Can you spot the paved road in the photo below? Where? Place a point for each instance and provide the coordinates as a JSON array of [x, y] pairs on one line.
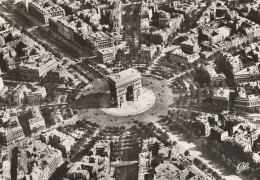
[[155, 62], [162, 54], [182, 146], [177, 76]]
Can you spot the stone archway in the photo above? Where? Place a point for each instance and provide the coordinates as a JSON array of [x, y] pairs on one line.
[[130, 93]]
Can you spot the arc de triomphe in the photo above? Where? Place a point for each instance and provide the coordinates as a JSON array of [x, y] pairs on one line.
[[125, 86]]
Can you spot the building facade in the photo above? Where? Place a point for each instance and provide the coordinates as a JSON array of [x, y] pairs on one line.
[[31, 70], [37, 122], [106, 56], [59, 140], [98, 40], [30, 166], [10, 129], [179, 56], [147, 54], [45, 10]]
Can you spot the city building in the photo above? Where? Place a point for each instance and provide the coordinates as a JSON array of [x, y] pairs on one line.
[[145, 24], [204, 18], [117, 36], [91, 16], [79, 170], [95, 165], [27, 60], [2, 21], [214, 76], [169, 170], [235, 62], [159, 37], [145, 157], [148, 53], [73, 6], [203, 123], [166, 24], [5, 164], [144, 163], [177, 55], [10, 129], [98, 40], [106, 56], [36, 96], [161, 18], [247, 102], [183, 7], [206, 54], [247, 74], [5, 28], [22, 94], [37, 122], [35, 67], [8, 55], [19, 94], [220, 46], [175, 22], [71, 27], [3, 88], [116, 16], [235, 145], [124, 169], [220, 34], [221, 98], [37, 160], [237, 39], [190, 46], [146, 12], [44, 10], [124, 56], [59, 140]]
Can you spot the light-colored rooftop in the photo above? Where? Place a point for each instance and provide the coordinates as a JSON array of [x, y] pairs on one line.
[[166, 170], [77, 24], [2, 21], [93, 37], [221, 92], [128, 75], [252, 70], [107, 50]]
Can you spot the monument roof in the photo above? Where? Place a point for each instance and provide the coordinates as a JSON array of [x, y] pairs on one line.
[[125, 76]]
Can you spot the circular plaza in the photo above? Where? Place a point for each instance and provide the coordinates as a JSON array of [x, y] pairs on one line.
[[94, 104]]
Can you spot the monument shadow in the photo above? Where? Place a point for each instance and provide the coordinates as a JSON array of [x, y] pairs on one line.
[[92, 101]]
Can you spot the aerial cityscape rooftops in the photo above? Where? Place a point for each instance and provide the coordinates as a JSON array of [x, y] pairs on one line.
[[76, 24], [46, 6], [183, 80]]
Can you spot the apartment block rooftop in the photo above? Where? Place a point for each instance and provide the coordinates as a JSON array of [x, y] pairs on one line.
[[98, 36], [76, 24], [47, 6]]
